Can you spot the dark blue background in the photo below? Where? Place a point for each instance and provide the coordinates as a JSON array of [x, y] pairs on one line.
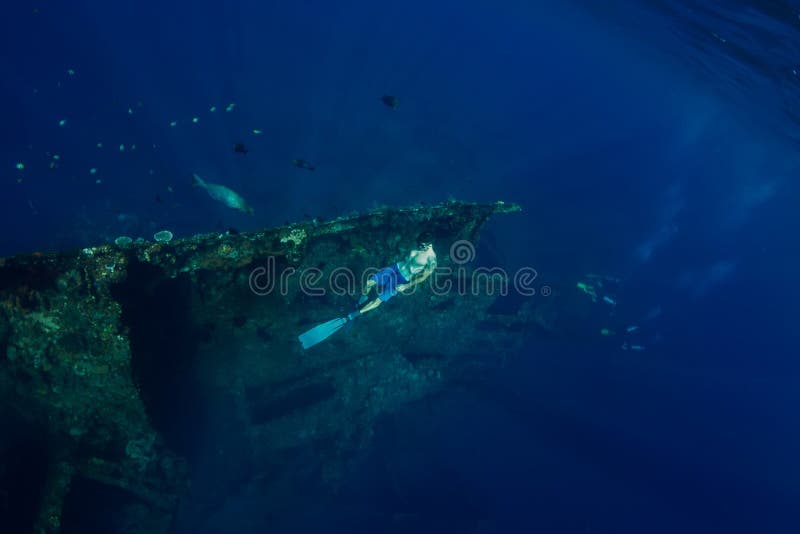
[[627, 157]]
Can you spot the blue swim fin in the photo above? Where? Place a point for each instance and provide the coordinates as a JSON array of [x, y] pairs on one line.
[[323, 331]]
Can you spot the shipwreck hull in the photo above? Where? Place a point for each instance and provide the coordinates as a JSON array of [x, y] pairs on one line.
[[129, 371]]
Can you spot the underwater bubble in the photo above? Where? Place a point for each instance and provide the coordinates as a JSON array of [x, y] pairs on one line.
[[163, 236], [123, 241]]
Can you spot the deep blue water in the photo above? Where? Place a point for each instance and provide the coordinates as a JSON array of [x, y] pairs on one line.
[[653, 141]]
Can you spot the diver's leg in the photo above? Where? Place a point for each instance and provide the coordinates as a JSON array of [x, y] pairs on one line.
[[368, 286], [374, 303], [365, 291]]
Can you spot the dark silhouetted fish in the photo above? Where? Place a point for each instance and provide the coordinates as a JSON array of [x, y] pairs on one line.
[[391, 101], [240, 148], [303, 164]]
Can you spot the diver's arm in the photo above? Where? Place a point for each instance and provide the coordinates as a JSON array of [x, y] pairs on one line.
[[416, 280], [421, 277]]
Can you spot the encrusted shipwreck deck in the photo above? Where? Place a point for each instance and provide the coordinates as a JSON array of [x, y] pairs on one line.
[[126, 370]]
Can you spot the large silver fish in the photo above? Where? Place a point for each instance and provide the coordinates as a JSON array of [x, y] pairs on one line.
[[227, 196]]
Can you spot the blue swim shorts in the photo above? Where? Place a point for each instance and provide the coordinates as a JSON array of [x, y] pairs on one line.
[[387, 280]]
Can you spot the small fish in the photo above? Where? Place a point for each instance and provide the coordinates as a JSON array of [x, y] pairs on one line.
[[240, 148], [303, 164], [609, 300], [390, 101], [626, 346], [632, 329], [223, 194], [589, 290]]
